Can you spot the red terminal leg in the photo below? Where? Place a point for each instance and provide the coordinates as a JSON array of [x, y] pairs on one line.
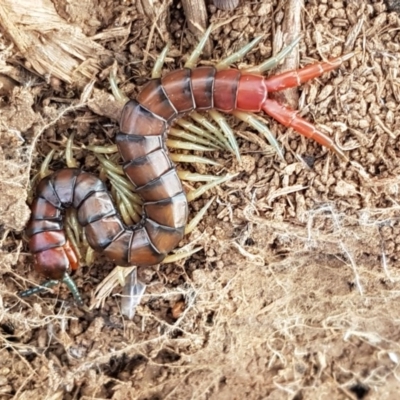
[[295, 78], [290, 119]]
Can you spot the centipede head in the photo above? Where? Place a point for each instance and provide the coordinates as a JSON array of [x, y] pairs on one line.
[[56, 264]]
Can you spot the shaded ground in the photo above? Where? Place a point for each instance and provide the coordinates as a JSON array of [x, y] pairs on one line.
[[296, 292]]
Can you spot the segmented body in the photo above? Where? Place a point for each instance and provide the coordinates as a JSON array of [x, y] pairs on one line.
[[143, 128]]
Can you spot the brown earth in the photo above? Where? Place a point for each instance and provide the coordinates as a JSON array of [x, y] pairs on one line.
[[294, 295]]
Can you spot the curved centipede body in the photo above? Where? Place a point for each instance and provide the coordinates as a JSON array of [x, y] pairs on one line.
[[141, 142]]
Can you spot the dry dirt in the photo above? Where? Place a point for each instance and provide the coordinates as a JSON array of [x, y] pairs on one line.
[[295, 293]]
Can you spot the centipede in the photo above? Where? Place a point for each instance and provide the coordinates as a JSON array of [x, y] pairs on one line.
[[143, 128]]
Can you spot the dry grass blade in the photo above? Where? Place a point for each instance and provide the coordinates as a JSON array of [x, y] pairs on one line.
[[196, 15], [291, 29], [158, 14], [284, 192], [49, 44]]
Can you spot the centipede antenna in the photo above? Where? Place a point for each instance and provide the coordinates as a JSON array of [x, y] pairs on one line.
[[260, 127], [221, 121], [69, 282], [273, 61], [116, 91], [180, 255], [190, 137], [156, 72], [188, 158], [194, 177], [238, 55], [195, 193], [185, 145], [194, 57], [39, 289], [198, 217], [212, 133]]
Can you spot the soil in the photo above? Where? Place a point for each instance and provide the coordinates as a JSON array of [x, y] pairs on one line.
[[295, 292]]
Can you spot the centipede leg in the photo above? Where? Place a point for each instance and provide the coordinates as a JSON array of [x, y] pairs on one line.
[[194, 57], [195, 193], [238, 55], [184, 145], [194, 177], [156, 72], [116, 91], [295, 78], [44, 167], [256, 123], [273, 61], [291, 119], [221, 121], [189, 158], [180, 254], [198, 217], [216, 134]]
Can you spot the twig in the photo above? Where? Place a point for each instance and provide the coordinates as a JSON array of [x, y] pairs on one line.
[[196, 15]]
